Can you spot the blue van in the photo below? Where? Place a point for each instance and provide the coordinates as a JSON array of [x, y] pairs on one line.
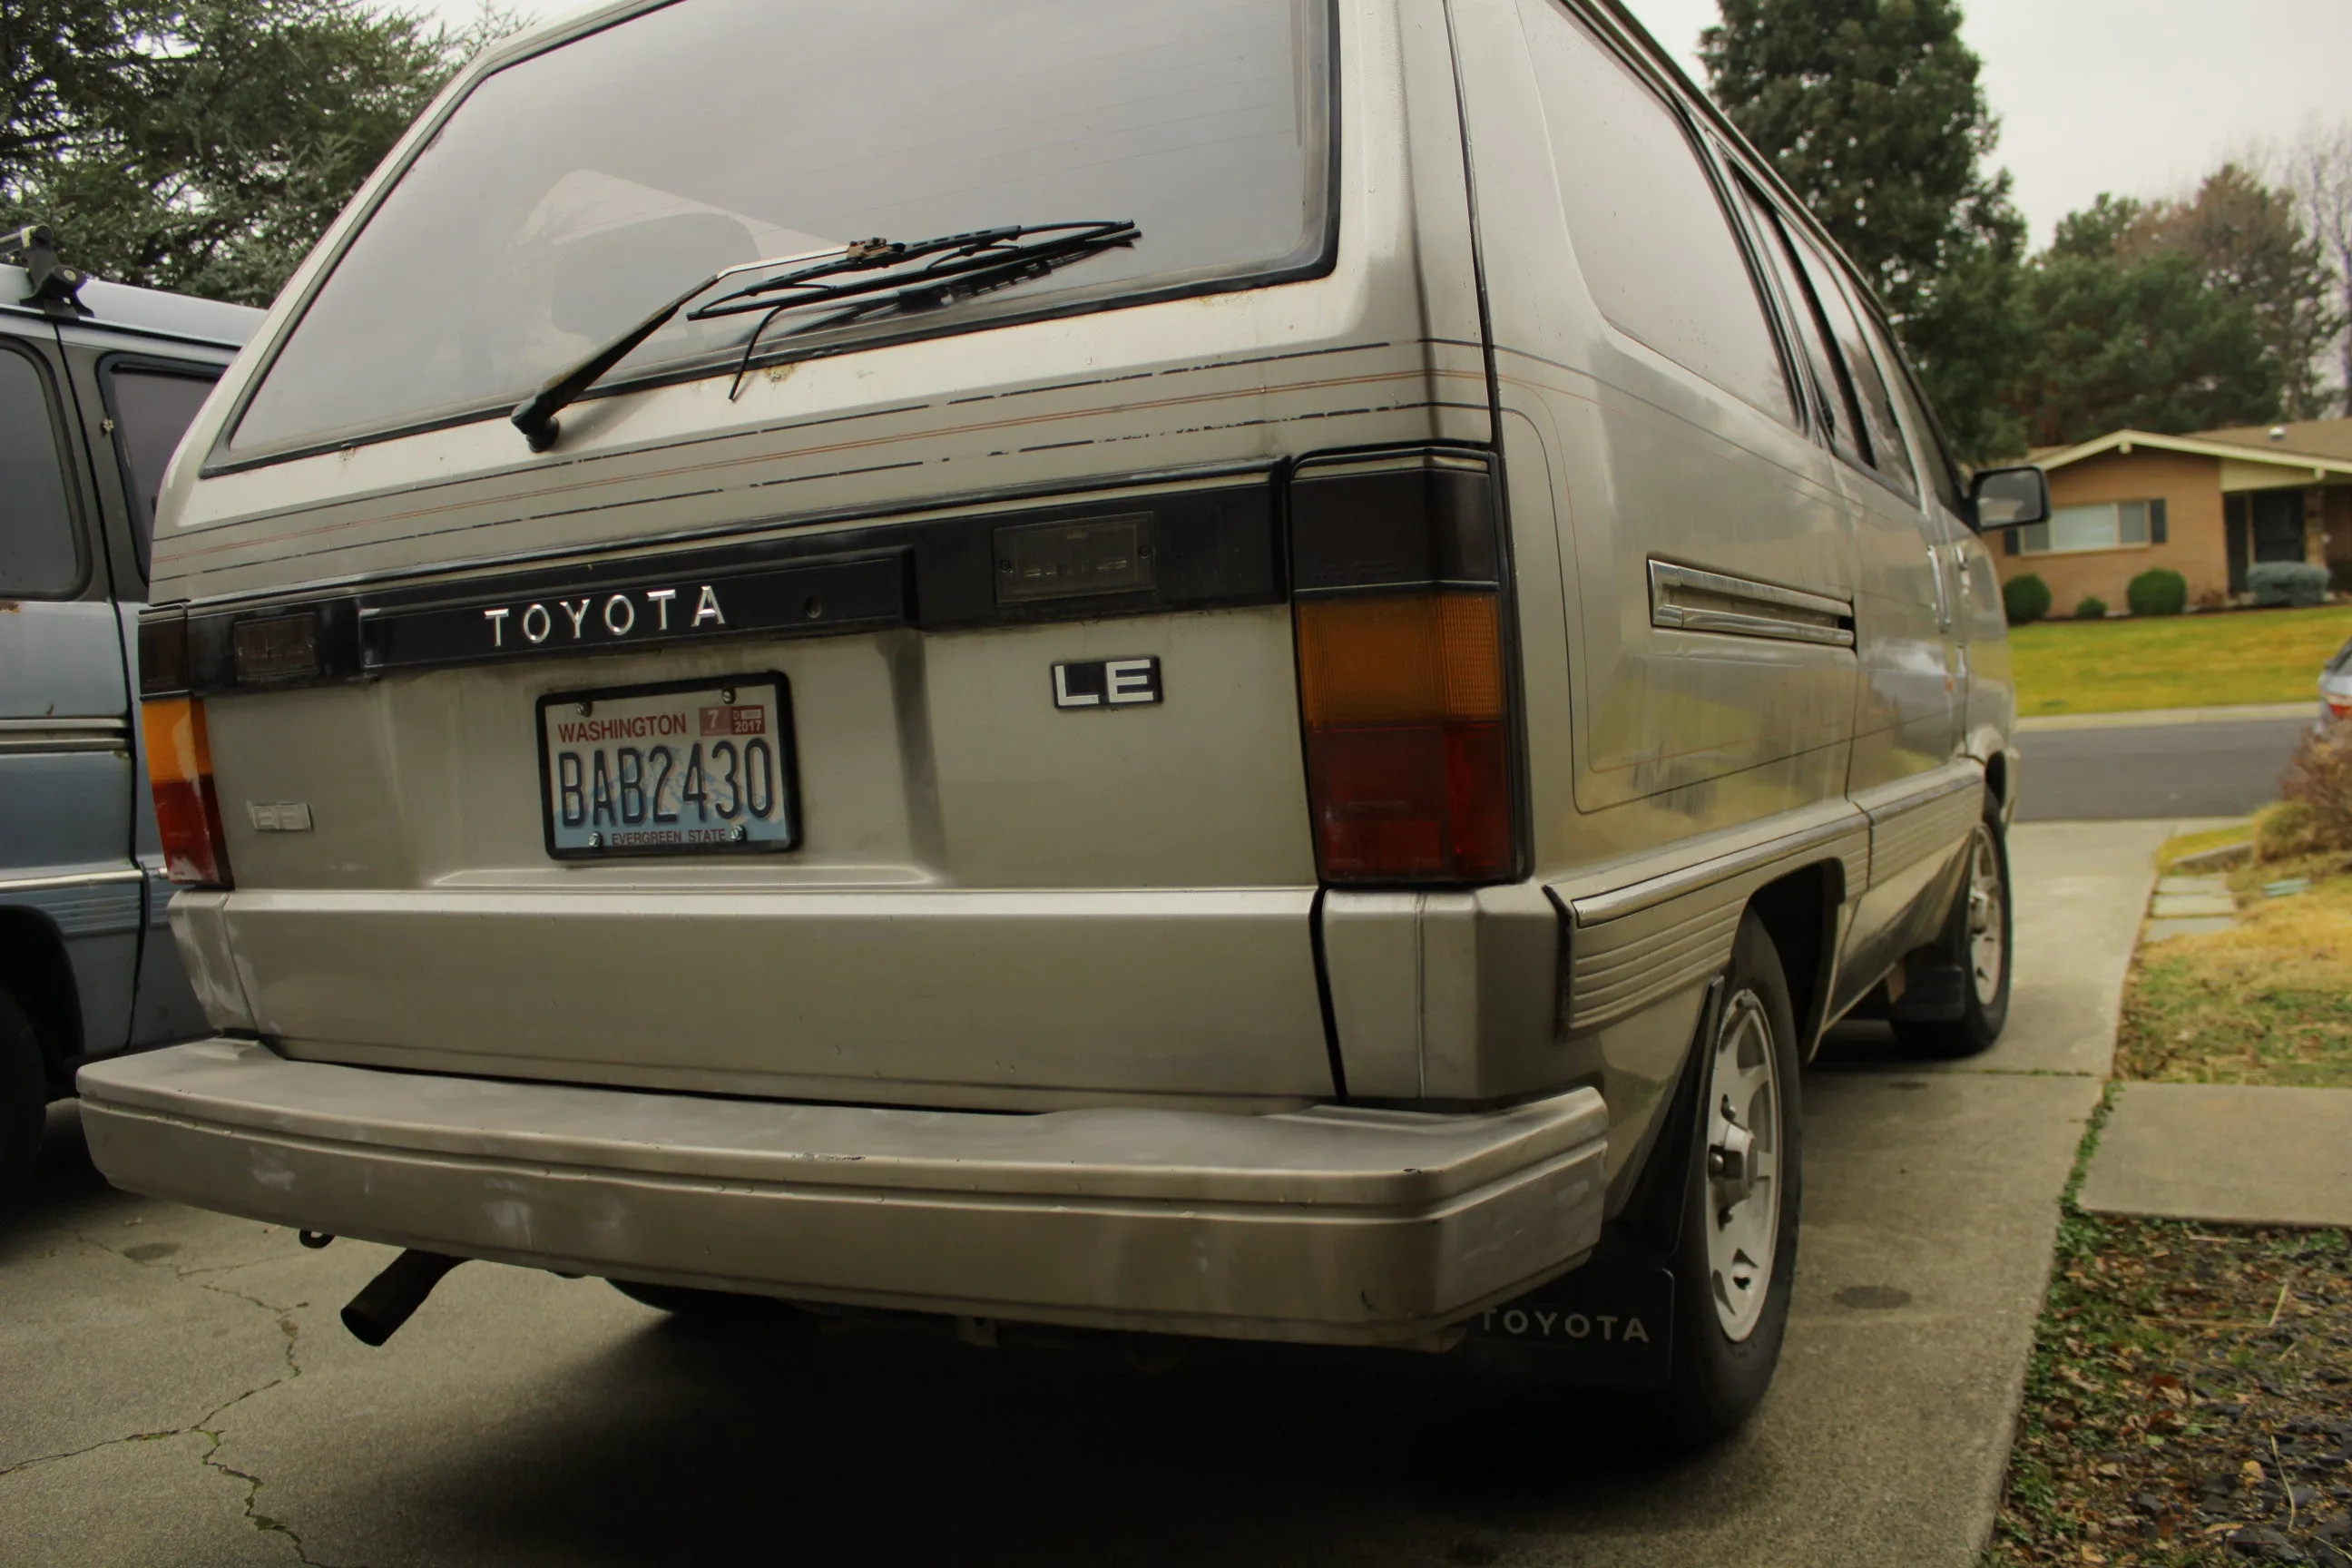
[[96, 383]]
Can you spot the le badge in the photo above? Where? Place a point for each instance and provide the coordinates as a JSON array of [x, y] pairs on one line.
[[1107, 683]]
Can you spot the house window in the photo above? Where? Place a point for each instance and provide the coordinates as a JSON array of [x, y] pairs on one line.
[[2106, 525]]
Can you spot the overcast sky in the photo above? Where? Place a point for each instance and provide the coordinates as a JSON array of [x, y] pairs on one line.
[[2137, 97]]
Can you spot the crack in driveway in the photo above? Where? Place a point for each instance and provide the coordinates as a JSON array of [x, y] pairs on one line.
[[207, 1424]]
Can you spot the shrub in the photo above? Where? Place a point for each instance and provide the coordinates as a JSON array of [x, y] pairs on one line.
[[2287, 582], [2092, 608], [2158, 591], [2339, 576], [2318, 786], [2026, 599], [2283, 831]]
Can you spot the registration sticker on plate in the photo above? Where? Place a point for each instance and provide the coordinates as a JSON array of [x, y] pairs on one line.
[[686, 768]]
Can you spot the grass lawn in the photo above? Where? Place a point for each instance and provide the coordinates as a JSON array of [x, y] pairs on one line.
[[2268, 1002], [2196, 843], [2175, 661]]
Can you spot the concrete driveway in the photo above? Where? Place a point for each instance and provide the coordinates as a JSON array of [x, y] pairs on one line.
[[177, 1389]]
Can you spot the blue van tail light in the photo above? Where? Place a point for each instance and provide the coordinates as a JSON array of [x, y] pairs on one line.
[[179, 755]]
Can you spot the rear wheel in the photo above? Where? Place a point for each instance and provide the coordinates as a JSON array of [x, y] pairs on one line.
[[24, 1100], [1738, 1251], [1975, 939]]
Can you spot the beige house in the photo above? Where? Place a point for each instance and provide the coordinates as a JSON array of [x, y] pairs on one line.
[[2209, 506]]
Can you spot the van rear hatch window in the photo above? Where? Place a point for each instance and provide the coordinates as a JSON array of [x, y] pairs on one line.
[[572, 191]]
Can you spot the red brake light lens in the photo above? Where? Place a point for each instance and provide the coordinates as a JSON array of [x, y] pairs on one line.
[[1408, 756]]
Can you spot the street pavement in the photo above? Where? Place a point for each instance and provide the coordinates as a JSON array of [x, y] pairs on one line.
[[177, 1388], [2111, 771]]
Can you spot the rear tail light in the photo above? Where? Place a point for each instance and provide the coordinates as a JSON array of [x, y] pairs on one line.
[[179, 755], [1404, 674]]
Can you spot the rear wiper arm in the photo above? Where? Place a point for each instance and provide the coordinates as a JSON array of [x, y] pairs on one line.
[[951, 264], [535, 415], [962, 266]]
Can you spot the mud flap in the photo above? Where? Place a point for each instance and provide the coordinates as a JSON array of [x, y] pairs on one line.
[[1934, 992], [1609, 1324]]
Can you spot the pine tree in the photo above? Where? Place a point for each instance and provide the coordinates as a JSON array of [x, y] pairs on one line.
[[2251, 245], [1873, 112], [2142, 342], [203, 145]]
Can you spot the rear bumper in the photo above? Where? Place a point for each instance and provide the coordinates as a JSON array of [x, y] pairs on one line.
[[1331, 1224]]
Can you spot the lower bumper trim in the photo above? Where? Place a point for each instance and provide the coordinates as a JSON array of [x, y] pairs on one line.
[[1335, 1224]]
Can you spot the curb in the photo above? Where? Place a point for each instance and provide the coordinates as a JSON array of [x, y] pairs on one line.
[[2149, 717]]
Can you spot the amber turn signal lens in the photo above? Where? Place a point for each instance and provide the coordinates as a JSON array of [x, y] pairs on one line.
[[1408, 762], [187, 810]]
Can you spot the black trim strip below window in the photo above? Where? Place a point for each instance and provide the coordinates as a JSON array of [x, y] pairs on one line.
[[1116, 555]]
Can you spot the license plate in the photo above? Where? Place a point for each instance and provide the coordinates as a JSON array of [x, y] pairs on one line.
[[700, 767]]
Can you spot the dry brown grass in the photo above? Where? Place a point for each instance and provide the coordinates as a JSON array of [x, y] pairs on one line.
[[2269, 1001]]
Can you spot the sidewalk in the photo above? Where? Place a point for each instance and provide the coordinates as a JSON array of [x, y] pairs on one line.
[[2229, 1153], [2149, 717]]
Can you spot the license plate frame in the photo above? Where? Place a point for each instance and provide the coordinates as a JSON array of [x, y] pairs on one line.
[[780, 736]]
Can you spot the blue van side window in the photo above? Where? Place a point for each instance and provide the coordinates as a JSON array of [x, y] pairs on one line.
[[37, 553], [152, 409]]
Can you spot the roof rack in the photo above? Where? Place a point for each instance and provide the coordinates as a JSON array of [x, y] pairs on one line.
[[55, 286]]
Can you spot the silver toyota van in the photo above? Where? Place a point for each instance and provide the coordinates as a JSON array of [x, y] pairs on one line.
[[1252, 671]]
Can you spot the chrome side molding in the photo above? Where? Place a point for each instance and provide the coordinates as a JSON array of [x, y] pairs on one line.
[[1685, 598], [64, 735]]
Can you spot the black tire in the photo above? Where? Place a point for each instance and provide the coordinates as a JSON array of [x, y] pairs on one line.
[[24, 1101], [1984, 1008], [689, 1304], [1719, 1374]]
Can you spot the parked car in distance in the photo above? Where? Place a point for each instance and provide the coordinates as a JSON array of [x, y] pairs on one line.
[[2335, 689], [1290, 731], [96, 383]]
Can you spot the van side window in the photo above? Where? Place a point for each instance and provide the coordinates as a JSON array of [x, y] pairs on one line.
[[40, 556], [1936, 465], [1887, 454], [153, 407], [1837, 409], [1651, 237]]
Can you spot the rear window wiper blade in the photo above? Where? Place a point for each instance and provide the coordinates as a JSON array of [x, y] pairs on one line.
[[959, 266], [872, 272]]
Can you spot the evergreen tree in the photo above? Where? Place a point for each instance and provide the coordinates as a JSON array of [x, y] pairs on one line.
[[1873, 112], [202, 145], [2248, 246], [2141, 343], [2251, 245]]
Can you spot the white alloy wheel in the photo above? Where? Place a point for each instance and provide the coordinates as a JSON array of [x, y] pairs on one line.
[[1743, 1147], [1987, 931]]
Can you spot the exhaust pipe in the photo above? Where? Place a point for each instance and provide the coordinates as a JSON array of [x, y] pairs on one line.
[[392, 1298]]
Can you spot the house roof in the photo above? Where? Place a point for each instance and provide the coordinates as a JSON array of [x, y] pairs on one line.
[[2311, 438], [2318, 446]]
